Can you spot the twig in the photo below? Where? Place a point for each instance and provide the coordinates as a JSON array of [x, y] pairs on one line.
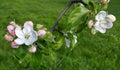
[[63, 12], [60, 16]]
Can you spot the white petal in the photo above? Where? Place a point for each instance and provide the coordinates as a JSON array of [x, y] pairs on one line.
[[32, 39], [28, 23], [28, 42], [34, 36], [102, 30], [20, 41], [101, 15], [111, 18], [26, 30], [99, 28], [28, 26], [19, 33], [107, 25]]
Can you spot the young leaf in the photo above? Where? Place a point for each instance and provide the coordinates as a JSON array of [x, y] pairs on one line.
[[86, 1], [76, 15]]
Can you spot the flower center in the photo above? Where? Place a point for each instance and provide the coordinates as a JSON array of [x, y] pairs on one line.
[[101, 23], [27, 36]]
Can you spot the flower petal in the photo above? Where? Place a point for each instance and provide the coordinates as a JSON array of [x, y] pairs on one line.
[[30, 23], [111, 18], [28, 42], [27, 27], [19, 33], [33, 38], [107, 25], [19, 41], [101, 15], [102, 30], [99, 28]]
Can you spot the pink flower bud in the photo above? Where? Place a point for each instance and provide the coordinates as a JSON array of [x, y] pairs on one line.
[[8, 37], [11, 29], [14, 45], [104, 1], [13, 23], [111, 18], [90, 23], [41, 33], [32, 49]]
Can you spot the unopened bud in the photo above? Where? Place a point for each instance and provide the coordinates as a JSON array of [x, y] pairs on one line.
[[32, 49], [14, 45], [104, 1], [90, 23], [8, 37], [41, 33], [93, 31]]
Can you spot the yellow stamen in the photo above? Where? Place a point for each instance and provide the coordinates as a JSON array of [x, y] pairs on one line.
[[27, 36]]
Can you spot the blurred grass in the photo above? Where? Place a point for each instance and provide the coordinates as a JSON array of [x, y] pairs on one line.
[[99, 52]]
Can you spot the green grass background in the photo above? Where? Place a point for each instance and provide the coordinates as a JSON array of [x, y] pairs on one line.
[[93, 52]]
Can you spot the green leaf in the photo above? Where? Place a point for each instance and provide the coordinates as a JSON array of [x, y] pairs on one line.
[[86, 1], [95, 6], [76, 15], [104, 7], [57, 45]]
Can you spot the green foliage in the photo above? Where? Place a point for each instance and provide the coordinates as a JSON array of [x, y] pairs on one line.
[[86, 1], [70, 39], [77, 14], [100, 52], [78, 17]]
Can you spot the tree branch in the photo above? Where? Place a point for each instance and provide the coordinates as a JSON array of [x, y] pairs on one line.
[[63, 12]]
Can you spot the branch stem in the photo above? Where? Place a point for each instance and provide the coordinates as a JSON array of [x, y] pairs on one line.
[[63, 12]]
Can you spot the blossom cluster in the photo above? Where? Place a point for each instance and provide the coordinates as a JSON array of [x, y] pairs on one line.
[[26, 35], [102, 22]]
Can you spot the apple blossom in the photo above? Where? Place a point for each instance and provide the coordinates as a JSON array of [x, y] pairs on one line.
[[26, 36], [103, 21]]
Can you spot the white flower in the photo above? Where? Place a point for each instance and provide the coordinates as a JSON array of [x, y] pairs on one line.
[[104, 21], [26, 36]]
